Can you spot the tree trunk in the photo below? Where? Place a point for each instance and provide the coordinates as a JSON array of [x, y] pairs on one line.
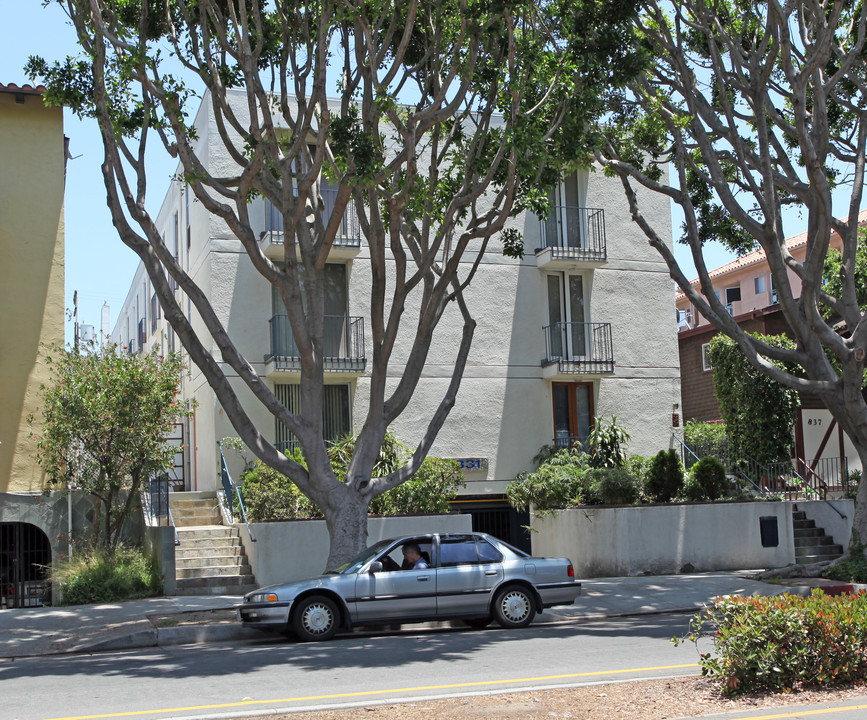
[[859, 522], [347, 526]]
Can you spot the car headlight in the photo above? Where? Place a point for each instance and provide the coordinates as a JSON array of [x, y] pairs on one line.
[[262, 597]]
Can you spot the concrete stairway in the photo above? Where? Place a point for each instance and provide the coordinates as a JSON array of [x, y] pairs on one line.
[[811, 543], [210, 559]]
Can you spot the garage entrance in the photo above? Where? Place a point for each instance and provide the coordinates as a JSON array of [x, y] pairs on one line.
[[25, 556], [496, 517]]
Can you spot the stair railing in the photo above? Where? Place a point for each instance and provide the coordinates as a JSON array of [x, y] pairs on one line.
[[737, 472], [156, 504], [231, 492]]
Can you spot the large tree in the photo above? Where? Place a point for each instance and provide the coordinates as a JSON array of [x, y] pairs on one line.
[[437, 120], [761, 110]]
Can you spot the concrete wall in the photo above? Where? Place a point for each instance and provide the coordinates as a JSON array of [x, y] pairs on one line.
[[31, 275], [669, 539], [298, 549]]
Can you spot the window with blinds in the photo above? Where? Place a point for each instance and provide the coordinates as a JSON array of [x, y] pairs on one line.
[[335, 412]]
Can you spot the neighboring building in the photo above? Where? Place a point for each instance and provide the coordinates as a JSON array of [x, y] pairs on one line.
[[32, 158], [583, 326], [746, 287]]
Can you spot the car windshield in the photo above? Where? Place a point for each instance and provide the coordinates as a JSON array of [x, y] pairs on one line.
[[363, 557]]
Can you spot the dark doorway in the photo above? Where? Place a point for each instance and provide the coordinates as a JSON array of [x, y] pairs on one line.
[[25, 555], [497, 518]]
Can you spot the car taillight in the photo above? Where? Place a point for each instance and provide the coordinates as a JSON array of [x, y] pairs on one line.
[[570, 571]]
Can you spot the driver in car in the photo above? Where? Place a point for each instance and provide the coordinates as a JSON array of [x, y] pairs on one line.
[[412, 559]]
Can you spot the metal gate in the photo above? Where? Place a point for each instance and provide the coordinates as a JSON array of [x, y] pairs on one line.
[[499, 519], [25, 556]]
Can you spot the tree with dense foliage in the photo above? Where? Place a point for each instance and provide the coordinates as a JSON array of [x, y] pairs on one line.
[[106, 418], [760, 111], [759, 412], [436, 121]]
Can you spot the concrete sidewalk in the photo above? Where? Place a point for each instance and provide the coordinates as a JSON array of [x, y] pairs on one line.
[[114, 626]]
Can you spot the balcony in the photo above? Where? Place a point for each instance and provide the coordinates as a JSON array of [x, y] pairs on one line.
[[578, 348], [572, 237], [343, 351], [347, 242]]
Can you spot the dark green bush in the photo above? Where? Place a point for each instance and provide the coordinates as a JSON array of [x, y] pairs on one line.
[[784, 643], [613, 486], [269, 495], [706, 480], [557, 484], [851, 570], [96, 576], [664, 479]]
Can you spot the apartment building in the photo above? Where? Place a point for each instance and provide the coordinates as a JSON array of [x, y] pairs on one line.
[[582, 326], [746, 287], [32, 157]]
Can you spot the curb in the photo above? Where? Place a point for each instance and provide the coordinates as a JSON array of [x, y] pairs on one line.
[[158, 637]]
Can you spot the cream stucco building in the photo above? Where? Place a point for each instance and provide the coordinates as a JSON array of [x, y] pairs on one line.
[[32, 166], [583, 326]]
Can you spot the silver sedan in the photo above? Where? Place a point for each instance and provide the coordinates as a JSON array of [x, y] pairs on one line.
[[469, 576]]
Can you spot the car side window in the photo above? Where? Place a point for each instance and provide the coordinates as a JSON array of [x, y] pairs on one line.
[[394, 560], [487, 552], [458, 551]]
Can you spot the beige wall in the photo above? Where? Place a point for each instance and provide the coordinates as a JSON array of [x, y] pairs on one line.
[[31, 274]]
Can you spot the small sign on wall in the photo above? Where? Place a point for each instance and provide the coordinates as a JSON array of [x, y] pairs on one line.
[[472, 464]]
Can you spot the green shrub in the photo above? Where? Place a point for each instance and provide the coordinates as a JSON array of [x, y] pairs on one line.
[[96, 576], [664, 479], [270, 495], [428, 491], [637, 466], [557, 484], [851, 570], [606, 444], [613, 486], [706, 480], [783, 643]]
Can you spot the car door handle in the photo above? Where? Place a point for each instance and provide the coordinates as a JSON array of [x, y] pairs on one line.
[[423, 578], [490, 572]]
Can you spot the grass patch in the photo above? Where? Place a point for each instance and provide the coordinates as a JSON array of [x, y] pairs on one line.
[[853, 570], [98, 577]]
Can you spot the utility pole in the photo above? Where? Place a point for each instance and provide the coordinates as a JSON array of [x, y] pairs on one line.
[[75, 320]]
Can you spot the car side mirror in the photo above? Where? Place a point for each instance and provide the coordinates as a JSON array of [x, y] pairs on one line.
[[375, 567]]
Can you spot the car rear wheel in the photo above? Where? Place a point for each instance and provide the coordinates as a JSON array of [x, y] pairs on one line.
[[514, 607], [315, 618]]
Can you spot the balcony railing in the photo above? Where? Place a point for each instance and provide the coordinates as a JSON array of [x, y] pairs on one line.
[[579, 347], [575, 233], [343, 348], [348, 234]]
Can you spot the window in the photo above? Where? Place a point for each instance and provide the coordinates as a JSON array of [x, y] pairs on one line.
[[155, 312], [733, 294], [336, 417], [573, 413], [759, 284], [566, 225], [684, 317], [705, 359], [566, 331], [188, 194]]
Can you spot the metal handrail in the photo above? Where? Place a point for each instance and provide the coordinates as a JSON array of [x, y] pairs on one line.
[[147, 501], [737, 472], [228, 488]]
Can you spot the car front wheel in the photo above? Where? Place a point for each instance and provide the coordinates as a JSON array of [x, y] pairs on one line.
[[315, 618], [514, 607]]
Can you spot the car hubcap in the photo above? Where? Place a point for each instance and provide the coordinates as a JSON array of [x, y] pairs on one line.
[[317, 619], [515, 606]]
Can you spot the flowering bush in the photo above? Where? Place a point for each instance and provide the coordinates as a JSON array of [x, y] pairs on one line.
[[784, 643]]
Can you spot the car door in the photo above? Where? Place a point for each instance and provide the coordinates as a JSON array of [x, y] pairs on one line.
[[394, 593], [468, 569]]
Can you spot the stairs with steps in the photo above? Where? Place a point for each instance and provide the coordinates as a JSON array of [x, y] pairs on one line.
[[811, 543], [210, 559]]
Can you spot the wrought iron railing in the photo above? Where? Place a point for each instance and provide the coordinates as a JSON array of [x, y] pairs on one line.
[[343, 344], [574, 233], [157, 506], [348, 234], [579, 347], [232, 492]]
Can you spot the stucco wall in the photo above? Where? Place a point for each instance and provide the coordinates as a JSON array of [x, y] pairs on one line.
[[298, 549], [31, 276], [666, 539]]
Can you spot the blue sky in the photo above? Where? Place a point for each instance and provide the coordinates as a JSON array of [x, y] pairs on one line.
[[98, 265]]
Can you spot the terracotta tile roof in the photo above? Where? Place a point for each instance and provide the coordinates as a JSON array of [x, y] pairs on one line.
[[25, 89], [758, 256]]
